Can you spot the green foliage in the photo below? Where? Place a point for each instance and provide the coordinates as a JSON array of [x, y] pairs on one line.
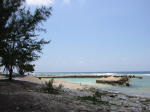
[[99, 94], [19, 45], [49, 87], [25, 68], [60, 86], [96, 98]]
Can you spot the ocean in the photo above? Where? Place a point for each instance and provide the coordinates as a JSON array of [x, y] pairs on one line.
[[139, 87]]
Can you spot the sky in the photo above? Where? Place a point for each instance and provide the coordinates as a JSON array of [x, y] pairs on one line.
[[95, 36]]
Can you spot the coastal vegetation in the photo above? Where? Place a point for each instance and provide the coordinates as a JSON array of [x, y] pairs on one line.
[[25, 96], [48, 87], [19, 31], [95, 98], [20, 46]]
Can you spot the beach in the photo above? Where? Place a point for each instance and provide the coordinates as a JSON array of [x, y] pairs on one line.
[[27, 95], [74, 56], [138, 86]]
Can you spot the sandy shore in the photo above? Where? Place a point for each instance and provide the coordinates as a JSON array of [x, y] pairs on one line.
[[66, 84], [25, 95]]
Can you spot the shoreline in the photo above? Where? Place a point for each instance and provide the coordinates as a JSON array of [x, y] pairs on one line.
[[74, 86], [92, 85], [78, 85], [114, 97], [75, 97]]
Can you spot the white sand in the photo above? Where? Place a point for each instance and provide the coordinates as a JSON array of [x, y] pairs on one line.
[[66, 84]]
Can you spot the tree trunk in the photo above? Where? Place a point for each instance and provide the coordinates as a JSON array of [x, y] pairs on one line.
[[10, 74], [12, 61], [21, 72]]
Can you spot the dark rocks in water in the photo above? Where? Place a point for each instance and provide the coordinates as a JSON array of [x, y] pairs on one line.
[[127, 84]]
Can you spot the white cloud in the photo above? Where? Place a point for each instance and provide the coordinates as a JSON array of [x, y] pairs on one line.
[[48, 2], [39, 2], [81, 2]]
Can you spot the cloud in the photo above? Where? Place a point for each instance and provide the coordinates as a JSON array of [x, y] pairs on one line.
[[81, 2], [39, 2], [48, 2]]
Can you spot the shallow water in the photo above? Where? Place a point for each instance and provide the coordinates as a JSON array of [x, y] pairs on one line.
[[139, 87]]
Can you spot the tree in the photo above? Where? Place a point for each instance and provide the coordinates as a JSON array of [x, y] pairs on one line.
[[19, 45], [25, 68]]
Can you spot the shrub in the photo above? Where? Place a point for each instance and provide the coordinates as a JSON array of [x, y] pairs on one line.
[[96, 98], [60, 87], [49, 87]]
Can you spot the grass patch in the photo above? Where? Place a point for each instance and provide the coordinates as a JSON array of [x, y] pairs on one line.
[[48, 87], [96, 98]]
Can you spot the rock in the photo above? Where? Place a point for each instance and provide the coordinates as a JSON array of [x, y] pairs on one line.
[[142, 99], [113, 108], [127, 84], [123, 97], [134, 104], [114, 80]]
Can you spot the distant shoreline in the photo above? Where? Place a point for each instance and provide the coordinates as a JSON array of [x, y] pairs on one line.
[[101, 72]]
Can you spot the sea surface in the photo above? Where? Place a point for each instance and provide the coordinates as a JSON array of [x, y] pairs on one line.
[[139, 87]]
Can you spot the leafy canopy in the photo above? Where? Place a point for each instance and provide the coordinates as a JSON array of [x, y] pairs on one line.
[[19, 42]]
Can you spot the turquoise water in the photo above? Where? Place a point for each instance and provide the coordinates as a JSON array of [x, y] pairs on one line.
[[139, 87], [79, 80]]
